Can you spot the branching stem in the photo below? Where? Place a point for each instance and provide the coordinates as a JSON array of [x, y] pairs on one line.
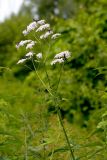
[[57, 107]]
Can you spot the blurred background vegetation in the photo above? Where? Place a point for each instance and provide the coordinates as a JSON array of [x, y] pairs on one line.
[[83, 25]]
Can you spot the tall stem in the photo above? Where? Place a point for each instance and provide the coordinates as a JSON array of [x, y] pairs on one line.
[[64, 131], [60, 117], [58, 109]]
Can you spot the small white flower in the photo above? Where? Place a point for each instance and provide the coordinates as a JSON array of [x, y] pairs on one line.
[[54, 36], [25, 32], [41, 22], [46, 35], [22, 43], [29, 54], [21, 61], [17, 46], [31, 26], [39, 55], [27, 41], [30, 45], [43, 27], [57, 61], [64, 54]]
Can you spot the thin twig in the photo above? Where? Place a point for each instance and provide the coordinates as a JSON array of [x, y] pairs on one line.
[[60, 76], [41, 79]]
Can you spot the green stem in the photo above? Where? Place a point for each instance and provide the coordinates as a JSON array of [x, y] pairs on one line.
[[41, 79], [47, 76], [60, 76], [58, 109], [64, 131], [60, 117]]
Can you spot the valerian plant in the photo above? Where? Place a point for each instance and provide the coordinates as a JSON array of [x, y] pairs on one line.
[[39, 35], [42, 33]]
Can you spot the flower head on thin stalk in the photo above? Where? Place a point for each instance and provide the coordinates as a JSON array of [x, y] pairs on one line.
[[43, 27], [39, 55], [41, 22], [61, 60], [25, 32], [61, 57], [21, 61], [64, 54], [32, 26], [46, 35], [29, 55], [56, 35], [30, 45], [22, 43]]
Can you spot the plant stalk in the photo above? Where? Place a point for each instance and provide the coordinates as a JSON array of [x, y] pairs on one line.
[[66, 137], [58, 109]]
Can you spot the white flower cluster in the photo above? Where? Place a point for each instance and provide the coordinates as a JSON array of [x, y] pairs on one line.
[[61, 60], [41, 22], [22, 43], [64, 54], [44, 31], [54, 36], [40, 26], [21, 61], [43, 27], [46, 35], [30, 27], [33, 26], [39, 55], [30, 45], [61, 57], [29, 55]]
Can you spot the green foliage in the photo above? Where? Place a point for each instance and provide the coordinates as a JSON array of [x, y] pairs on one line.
[[28, 123]]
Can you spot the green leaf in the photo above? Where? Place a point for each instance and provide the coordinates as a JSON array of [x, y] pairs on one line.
[[102, 124]]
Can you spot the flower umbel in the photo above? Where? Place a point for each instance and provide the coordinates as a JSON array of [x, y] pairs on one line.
[[32, 26], [61, 57], [54, 36], [25, 32], [41, 22], [39, 55], [64, 54], [57, 61], [43, 27], [22, 43], [30, 45], [21, 61], [29, 54], [46, 35]]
